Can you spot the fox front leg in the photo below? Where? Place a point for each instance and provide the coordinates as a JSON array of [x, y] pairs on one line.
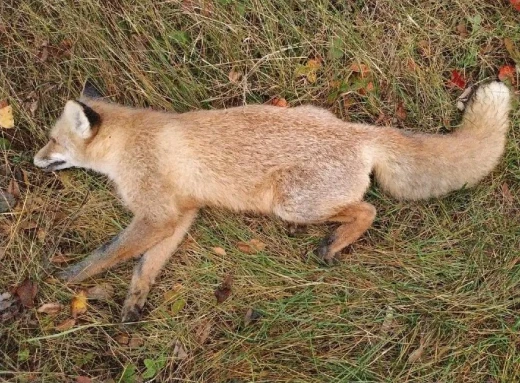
[[149, 267], [139, 236]]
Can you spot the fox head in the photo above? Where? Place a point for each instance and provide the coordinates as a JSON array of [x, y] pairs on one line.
[[72, 132]]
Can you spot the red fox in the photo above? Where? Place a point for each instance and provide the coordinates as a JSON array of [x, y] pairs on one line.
[[302, 164]]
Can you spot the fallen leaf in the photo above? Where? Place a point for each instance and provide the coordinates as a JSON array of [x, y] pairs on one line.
[[219, 251], [26, 291], [177, 306], [122, 339], [337, 46], [7, 201], [309, 70], [251, 247], [41, 235], [173, 293], [281, 102], [13, 188], [135, 341], [515, 4], [506, 194], [234, 75], [43, 51], [28, 225], [102, 292], [388, 321], [224, 290], [67, 324], [6, 116], [462, 30], [424, 48], [33, 107], [179, 350], [60, 258], [78, 305], [52, 308], [507, 72], [203, 332], [456, 80], [362, 69], [251, 316], [400, 111], [6, 301], [416, 355], [511, 49], [83, 379]]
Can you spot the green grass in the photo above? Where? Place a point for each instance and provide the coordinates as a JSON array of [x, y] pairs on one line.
[[445, 272]]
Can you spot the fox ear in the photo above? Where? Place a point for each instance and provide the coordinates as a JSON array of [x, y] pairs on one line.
[[90, 91], [83, 119]]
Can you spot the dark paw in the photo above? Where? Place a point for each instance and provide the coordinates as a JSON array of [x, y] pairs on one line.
[[131, 314], [323, 251], [293, 229]]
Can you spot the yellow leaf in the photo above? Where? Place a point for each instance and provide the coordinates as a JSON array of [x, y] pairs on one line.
[[78, 305], [6, 117]]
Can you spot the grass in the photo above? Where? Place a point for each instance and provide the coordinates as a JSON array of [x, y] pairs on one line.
[[441, 275]]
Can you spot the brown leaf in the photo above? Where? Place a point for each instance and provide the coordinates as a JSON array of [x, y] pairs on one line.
[[102, 292], [416, 355], [60, 258], [14, 188], [6, 301], [400, 111], [362, 69], [224, 290], [179, 350], [173, 293], [251, 247], [33, 107], [67, 324], [52, 308], [123, 339], [234, 75], [28, 225], [7, 201], [281, 102], [219, 251], [251, 316], [78, 305], [135, 341], [203, 332], [83, 379], [43, 51], [506, 194], [26, 291], [511, 49], [462, 30]]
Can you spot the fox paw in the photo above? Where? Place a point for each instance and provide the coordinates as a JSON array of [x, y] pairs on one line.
[[465, 97], [131, 313], [324, 252], [293, 229], [70, 274]]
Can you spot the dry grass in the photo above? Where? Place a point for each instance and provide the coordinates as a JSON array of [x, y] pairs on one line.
[[444, 273]]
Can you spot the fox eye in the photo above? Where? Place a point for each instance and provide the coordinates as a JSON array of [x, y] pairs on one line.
[[53, 140]]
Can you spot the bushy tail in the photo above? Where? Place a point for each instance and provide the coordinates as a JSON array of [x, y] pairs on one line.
[[418, 166]]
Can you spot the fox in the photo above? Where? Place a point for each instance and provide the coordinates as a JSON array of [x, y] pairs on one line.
[[302, 164]]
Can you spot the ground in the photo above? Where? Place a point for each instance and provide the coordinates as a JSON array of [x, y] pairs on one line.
[[431, 293]]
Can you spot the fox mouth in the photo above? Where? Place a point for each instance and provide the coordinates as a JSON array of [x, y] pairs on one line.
[[53, 166]]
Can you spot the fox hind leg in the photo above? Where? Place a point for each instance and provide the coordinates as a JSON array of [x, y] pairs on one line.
[[354, 220], [149, 267]]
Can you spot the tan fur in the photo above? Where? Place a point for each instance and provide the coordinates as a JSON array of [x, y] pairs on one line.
[[301, 164]]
